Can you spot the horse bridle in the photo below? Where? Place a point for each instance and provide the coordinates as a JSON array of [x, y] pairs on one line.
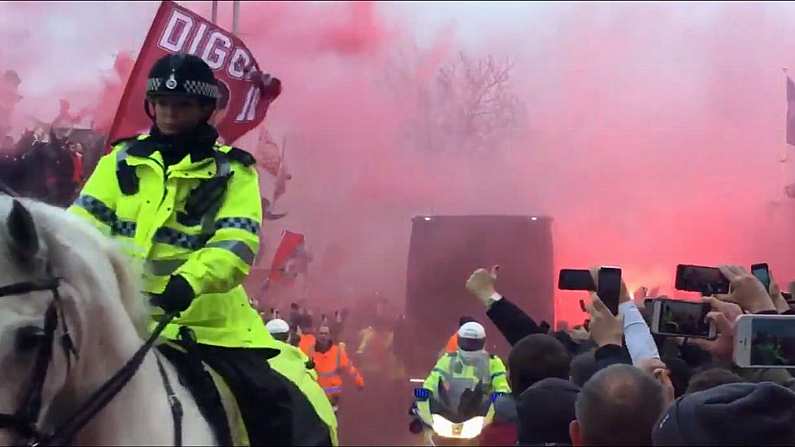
[[24, 422]]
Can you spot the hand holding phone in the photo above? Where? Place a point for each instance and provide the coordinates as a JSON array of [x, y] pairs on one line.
[[608, 279], [604, 326], [747, 291]]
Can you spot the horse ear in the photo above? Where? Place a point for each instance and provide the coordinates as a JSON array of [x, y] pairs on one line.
[[24, 241]]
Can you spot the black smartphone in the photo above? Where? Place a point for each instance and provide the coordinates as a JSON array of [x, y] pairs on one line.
[[762, 273], [570, 279], [682, 318], [609, 288], [696, 278]]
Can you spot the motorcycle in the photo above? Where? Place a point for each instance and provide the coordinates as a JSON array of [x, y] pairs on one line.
[[452, 416]]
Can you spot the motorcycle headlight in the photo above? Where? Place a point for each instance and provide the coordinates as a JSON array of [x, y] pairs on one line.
[[442, 426], [465, 430], [473, 427]]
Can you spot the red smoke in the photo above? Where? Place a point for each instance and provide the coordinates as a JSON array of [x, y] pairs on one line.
[[652, 134]]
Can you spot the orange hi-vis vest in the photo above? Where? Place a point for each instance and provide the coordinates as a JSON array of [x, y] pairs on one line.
[[328, 365], [307, 344], [452, 344]]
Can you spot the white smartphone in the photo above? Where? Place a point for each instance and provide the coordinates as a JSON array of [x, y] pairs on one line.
[[680, 318], [765, 341]]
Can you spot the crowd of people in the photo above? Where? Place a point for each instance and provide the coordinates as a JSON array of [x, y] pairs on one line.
[[616, 383]]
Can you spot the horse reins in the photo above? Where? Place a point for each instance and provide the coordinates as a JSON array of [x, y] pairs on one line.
[[25, 420]]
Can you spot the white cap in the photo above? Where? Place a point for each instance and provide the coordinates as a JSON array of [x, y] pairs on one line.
[[472, 330], [278, 326]]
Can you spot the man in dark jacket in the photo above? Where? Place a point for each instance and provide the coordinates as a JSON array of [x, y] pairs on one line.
[[515, 324]]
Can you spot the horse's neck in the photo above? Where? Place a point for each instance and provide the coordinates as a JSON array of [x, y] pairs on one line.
[[140, 412], [107, 350]]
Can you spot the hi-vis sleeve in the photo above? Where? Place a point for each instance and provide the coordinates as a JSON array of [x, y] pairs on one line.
[[227, 256], [97, 201]]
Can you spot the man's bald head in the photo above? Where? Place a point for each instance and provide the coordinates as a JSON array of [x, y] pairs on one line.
[[619, 405]]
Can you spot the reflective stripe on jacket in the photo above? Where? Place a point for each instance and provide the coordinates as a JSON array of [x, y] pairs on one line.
[[213, 251]]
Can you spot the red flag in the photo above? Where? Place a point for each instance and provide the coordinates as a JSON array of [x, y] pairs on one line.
[[290, 258], [269, 155], [246, 91], [273, 173]]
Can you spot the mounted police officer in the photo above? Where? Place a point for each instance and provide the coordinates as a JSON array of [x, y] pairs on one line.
[[189, 209]]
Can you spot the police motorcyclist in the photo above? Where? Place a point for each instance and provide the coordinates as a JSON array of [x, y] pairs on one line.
[[469, 365]]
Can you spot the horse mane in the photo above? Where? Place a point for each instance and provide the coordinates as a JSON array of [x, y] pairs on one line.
[[70, 231]]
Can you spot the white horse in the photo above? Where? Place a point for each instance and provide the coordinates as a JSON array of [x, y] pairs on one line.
[[98, 302]]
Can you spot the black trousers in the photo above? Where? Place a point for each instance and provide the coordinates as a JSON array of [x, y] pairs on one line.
[[275, 411], [264, 399]]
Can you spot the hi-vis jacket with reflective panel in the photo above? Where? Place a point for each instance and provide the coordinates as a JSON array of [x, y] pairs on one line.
[[213, 252], [451, 369]]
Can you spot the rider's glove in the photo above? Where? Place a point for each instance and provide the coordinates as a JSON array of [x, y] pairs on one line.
[[176, 297]]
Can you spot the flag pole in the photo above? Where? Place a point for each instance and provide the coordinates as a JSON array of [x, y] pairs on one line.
[[284, 151], [784, 155], [235, 16]]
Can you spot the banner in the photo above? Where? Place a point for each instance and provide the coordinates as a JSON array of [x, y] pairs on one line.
[[246, 92], [290, 259], [273, 174]]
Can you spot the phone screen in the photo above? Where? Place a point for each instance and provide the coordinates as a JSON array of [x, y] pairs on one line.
[[695, 278], [684, 318], [570, 279], [610, 287], [773, 342], [762, 273]]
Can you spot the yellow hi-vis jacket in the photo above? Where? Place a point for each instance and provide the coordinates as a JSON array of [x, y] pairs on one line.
[[450, 370], [213, 252], [292, 364]]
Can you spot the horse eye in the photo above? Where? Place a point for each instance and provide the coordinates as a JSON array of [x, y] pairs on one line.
[[29, 337]]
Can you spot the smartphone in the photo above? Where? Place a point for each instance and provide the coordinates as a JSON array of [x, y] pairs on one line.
[[696, 278], [570, 279], [762, 273], [680, 318], [765, 341], [609, 288]]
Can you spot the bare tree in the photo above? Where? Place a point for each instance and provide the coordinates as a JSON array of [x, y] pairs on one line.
[[469, 105], [480, 111]]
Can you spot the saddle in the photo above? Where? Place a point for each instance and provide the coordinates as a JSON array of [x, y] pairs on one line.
[[213, 396], [242, 398]]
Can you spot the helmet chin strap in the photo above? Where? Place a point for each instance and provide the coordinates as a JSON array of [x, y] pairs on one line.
[[151, 114]]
